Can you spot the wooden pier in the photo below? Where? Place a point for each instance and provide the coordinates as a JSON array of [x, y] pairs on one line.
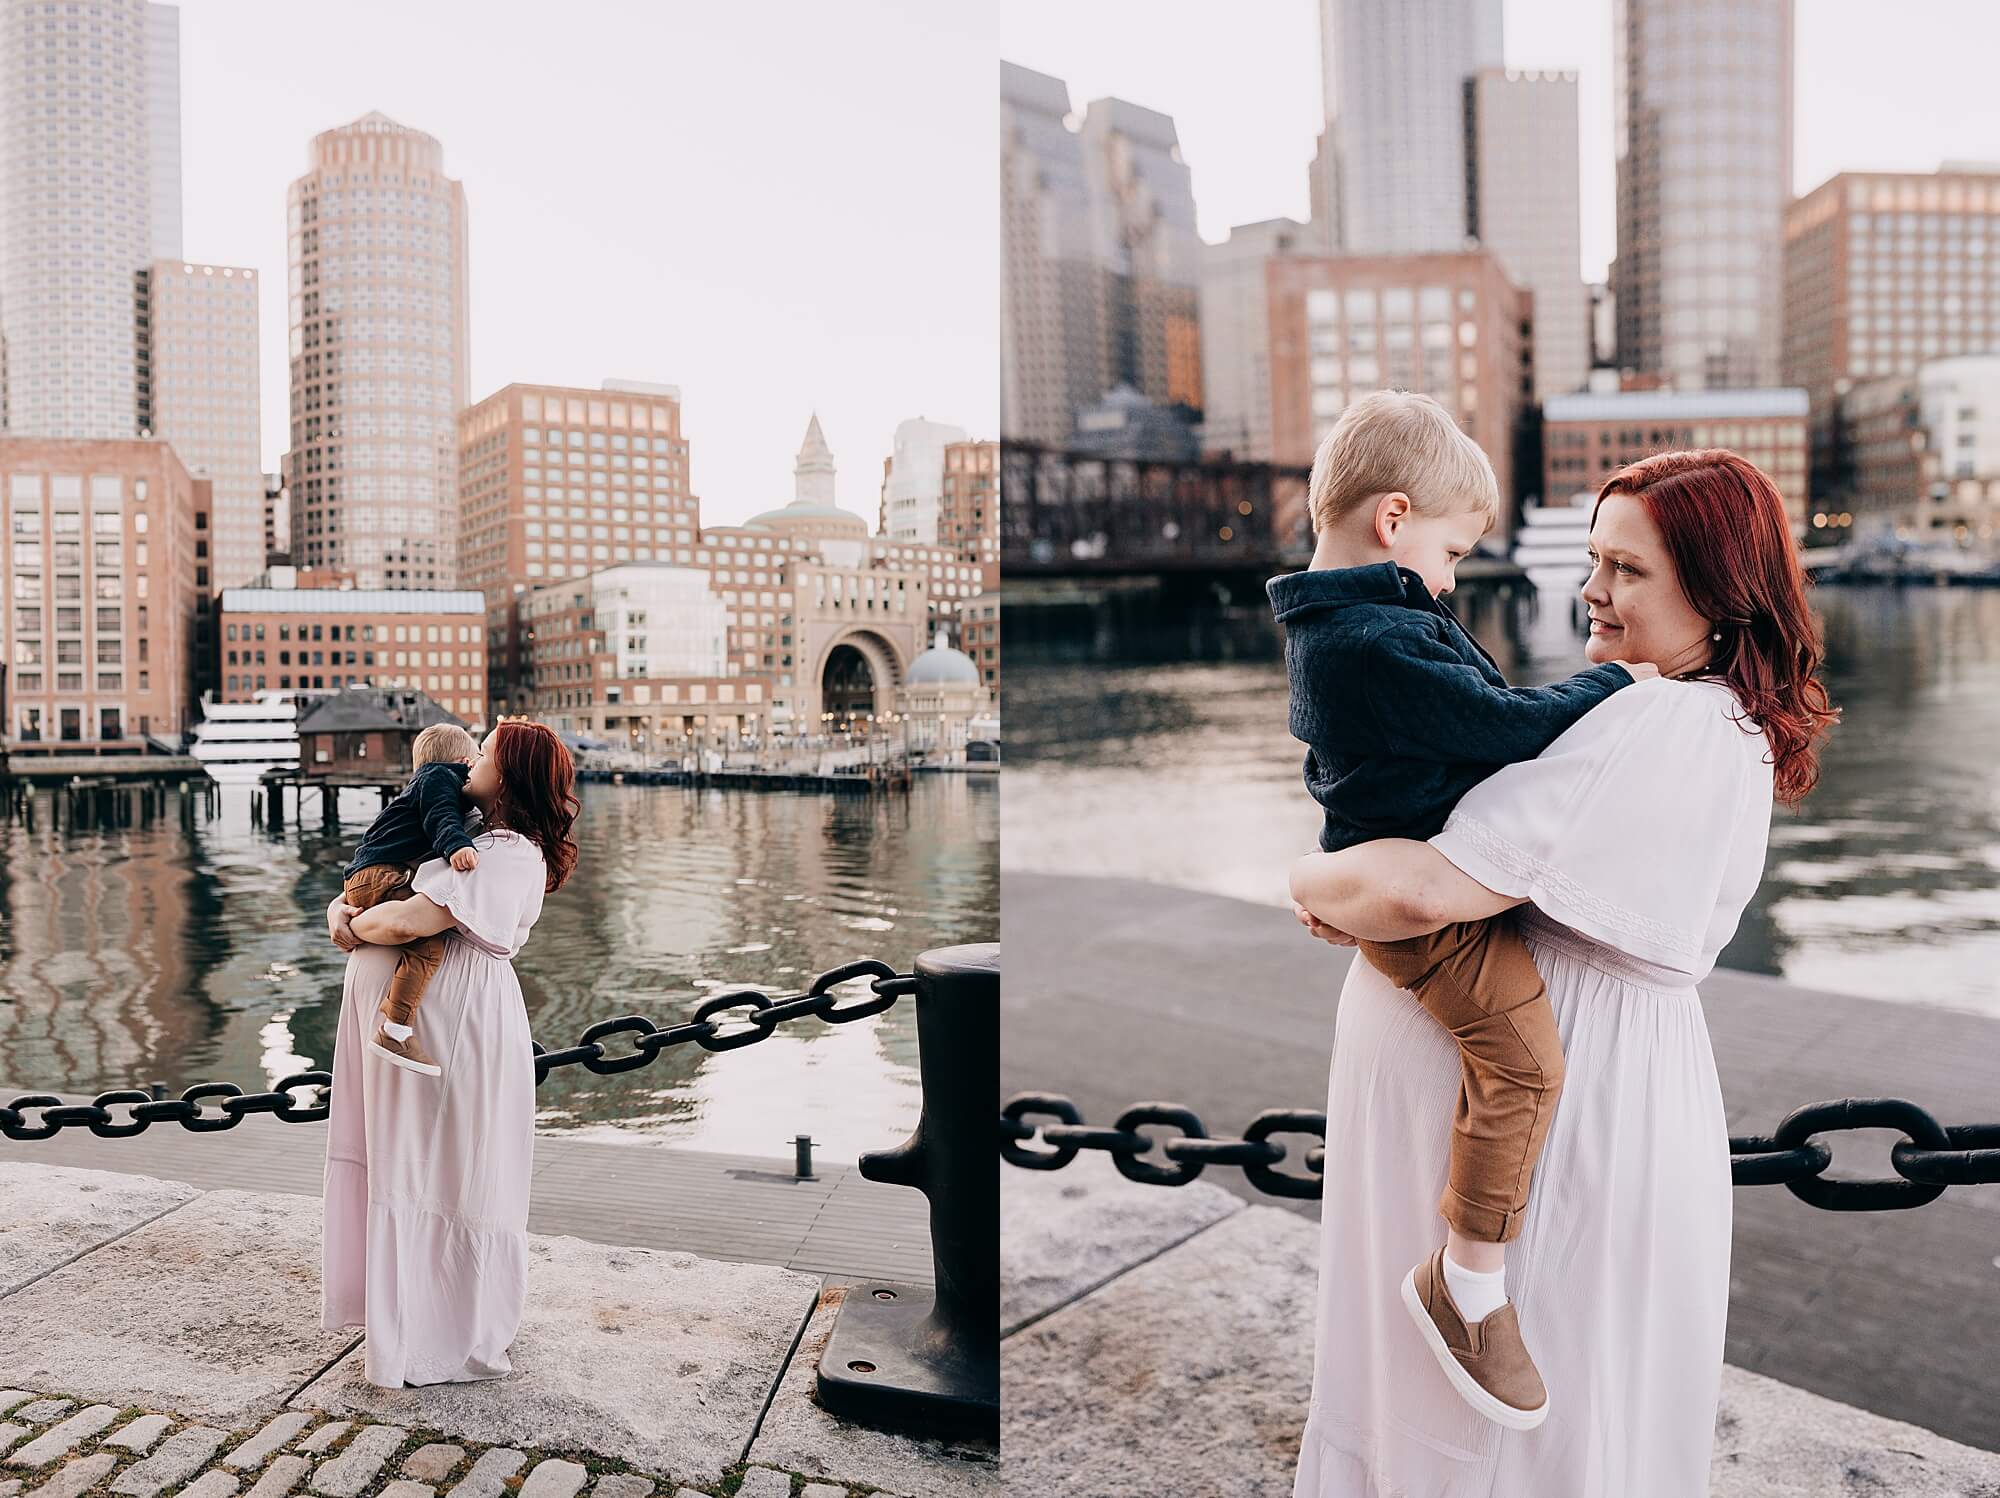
[[267, 802]]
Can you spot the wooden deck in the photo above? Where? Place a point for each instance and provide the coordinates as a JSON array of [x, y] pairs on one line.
[[742, 1207]]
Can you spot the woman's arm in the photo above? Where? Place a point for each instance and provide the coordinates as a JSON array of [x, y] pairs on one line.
[[1391, 889], [394, 922]]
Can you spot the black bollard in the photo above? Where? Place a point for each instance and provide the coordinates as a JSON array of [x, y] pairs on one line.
[[905, 1356]]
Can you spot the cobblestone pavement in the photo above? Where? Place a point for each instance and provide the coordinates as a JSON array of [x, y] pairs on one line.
[[54, 1446]]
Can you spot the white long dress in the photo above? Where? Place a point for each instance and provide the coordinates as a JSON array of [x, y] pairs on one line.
[[1638, 836], [425, 1237]]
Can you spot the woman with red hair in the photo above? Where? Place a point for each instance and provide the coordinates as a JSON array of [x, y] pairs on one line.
[[1629, 850], [425, 1234]]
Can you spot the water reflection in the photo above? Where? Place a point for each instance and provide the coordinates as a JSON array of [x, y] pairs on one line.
[[181, 954], [1886, 883]]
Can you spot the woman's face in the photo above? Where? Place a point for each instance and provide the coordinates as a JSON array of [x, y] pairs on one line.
[[1637, 609], [482, 781]]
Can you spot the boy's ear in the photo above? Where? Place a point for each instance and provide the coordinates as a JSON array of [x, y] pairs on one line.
[[1390, 511]]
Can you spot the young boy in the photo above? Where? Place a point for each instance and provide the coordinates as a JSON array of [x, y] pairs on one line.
[[1402, 713], [425, 820]]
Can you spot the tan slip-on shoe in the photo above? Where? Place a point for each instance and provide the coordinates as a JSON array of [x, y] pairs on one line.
[[407, 1054], [1486, 1362]]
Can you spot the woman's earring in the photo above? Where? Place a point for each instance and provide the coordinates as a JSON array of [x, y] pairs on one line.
[[1717, 636]]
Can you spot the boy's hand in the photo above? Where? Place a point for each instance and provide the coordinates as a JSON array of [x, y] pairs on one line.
[[339, 919], [1319, 928], [1641, 670], [465, 860]]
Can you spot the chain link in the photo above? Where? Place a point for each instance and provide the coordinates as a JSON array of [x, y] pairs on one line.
[[764, 1016], [1929, 1158]]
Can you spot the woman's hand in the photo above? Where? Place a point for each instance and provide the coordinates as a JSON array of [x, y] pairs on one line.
[[339, 924], [1319, 928]]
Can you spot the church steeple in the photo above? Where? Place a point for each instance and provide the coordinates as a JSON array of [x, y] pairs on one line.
[[813, 474]]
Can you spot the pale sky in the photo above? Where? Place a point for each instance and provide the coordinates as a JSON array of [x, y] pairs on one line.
[[1242, 82], [780, 208]]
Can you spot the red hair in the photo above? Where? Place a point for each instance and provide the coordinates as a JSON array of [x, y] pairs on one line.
[[1731, 543], [537, 792]]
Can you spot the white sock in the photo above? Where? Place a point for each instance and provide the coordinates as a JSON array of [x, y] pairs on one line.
[[404, 1032], [1476, 1295]]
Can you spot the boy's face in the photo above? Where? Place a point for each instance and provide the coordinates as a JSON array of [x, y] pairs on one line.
[[1431, 545]]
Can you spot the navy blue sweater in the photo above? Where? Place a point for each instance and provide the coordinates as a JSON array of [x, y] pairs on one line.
[[1401, 711], [424, 820]]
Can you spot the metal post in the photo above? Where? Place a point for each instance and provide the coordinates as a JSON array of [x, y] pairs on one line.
[[903, 1355], [802, 1146]]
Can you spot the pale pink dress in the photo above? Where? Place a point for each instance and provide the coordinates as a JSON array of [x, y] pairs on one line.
[[425, 1238], [1638, 837]]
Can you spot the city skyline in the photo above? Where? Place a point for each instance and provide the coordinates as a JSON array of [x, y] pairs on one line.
[[816, 273], [1244, 90]]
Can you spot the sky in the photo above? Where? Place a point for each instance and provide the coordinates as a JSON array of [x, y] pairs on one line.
[[1243, 85], [780, 208]]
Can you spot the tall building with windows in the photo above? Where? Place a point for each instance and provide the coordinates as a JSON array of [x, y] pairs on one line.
[[1885, 271], [89, 196], [1451, 326], [378, 331], [913, 481], [198, 389], [1236, 337], [1051, 287], [1142, 202], [969, 508], [101, 574], [1391, 173], [1702, 96], [1521, 200]]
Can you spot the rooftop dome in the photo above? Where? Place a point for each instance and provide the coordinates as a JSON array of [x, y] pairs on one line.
[[802, 510], [941, 665]]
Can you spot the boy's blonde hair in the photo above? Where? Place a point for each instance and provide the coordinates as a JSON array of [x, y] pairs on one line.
[[1398, 441], [440, 742]]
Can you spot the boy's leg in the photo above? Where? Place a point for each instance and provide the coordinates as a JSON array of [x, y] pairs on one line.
[[378, 882], [1477, 979], [415, 964]]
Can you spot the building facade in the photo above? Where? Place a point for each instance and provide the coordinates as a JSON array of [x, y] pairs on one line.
[[1236, 335], [1521, 201], [1394, 152], [1142, 205], [198, 389], [1051, 285], [1920, 454], [1702, 105], [913, 479], [969, 513], [1450, 326], [1885, 271], [90, 180], [979, 637], [283, 637], [1587, 438], [101, 584], [378, 331]]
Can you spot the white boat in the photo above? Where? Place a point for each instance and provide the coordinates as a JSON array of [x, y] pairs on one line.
[[1552, 545], [237, 742]]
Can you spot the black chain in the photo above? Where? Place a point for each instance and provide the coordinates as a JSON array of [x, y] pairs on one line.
[[762, 1019], [1929, 1158]]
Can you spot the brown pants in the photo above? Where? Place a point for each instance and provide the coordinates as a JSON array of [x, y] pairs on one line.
[[418, 959], [1477, 979]]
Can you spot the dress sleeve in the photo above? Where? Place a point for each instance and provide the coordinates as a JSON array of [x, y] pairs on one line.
[[1626, 828], [495, 903]]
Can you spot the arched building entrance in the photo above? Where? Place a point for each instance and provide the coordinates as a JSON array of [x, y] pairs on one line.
[[858, 676]]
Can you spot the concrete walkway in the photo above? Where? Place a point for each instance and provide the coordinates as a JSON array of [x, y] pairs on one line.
[[1187, 1315], [149, 1329], [1124, 991], [722, 1206]]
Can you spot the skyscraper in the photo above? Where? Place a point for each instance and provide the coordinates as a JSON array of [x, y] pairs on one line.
[[1051, 289], [913, 483], [378, 356], [1521, 200], [1236, 335], [199, 390], [90, 180], [1702, 95], [1142, 205], [1392, 167]]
